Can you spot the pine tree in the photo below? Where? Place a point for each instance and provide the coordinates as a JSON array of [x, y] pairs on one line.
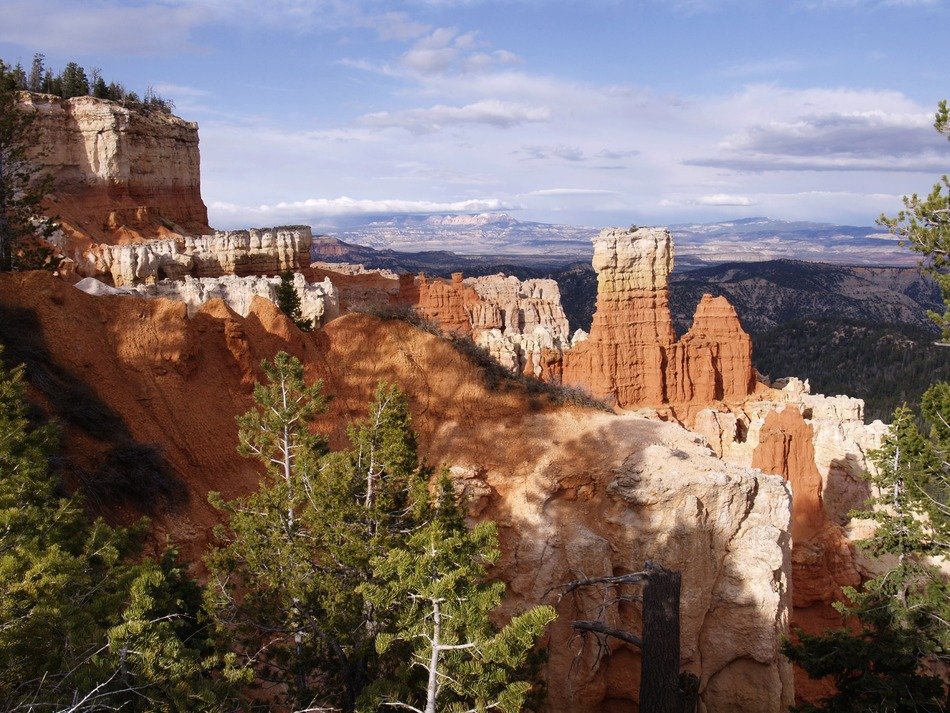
[[924, 226], [264, 577], [81, 624], [73, 81], [37, 73], [288, 573], [289, 301], [369, 497], [22, 189], [435, 589]]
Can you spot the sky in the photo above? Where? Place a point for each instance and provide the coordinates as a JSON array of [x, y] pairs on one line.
[[594, 112]]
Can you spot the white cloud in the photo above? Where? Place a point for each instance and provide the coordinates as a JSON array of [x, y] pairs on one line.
[[724, 199], [491, 112], [301, 211], [559, 192]]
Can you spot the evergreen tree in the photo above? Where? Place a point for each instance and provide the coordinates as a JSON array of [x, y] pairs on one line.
[[369, 498], [435, 591], [22, 189], [264, 577], [73, 81], [80, 626], [924, 225], [37, 73], [284, 583], [289, 301]]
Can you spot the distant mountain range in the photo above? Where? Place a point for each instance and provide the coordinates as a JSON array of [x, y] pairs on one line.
[[697, 244]]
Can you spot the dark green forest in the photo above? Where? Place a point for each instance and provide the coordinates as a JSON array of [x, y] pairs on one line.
[[73, 81], [884, 364]]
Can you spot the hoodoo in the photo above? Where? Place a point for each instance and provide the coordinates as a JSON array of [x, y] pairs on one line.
[[631, 356]]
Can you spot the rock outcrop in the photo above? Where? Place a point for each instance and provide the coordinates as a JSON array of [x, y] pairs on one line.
[[631, 356], [574, 492], [840, 439], [820, 445], [521, 323], [238, 252], [119, 173], [318, 300], [650, 492]]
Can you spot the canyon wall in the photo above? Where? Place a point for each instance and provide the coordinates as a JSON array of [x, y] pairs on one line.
[[631, 357], [237, 252], [319, 301], [521, 323], [575, 492], [118, 174]]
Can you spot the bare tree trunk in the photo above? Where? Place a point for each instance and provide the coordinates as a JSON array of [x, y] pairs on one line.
[[659, 678], [432, 689]]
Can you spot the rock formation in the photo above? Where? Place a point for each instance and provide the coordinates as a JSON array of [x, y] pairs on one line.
[[820, 445], [840, 440], [238, 252], [520, 323], [447, 303], [631, 356], [119, 173], [574, 492], [318, 300]]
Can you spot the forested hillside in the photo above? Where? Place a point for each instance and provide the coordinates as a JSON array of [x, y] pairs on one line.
[[886, 365]]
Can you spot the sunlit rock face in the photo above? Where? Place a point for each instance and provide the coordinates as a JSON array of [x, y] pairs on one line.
[[118, 173], [319, 301], [631, 356], [236, 252]]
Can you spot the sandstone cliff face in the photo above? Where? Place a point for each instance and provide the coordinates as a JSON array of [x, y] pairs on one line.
[[318, 300], [631, 357], [238, 252], [820, 445], [520, 323], [574, 492], [119, 173], [840, 440]]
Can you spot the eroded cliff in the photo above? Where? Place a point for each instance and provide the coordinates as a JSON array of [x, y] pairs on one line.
[[119, 174], [574, 491]]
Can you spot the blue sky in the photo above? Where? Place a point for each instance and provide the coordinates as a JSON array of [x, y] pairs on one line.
[[597, 113]]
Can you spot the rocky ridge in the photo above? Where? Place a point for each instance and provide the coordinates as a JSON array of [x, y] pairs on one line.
[[237, 252], [118, 174], [574, 491], [319, 301]]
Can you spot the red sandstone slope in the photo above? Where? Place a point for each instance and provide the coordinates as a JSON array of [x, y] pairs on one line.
[[574, 492], [180, 382]]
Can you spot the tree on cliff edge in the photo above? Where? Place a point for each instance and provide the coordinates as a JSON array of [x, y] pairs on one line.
[[901, 617], [924, 225], [22, 188]]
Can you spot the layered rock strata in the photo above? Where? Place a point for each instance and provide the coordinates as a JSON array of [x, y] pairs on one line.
[[318, 300], [119, 173], [520, 323], [840, 439], [631, 356], [238, 252], [574, 492]]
